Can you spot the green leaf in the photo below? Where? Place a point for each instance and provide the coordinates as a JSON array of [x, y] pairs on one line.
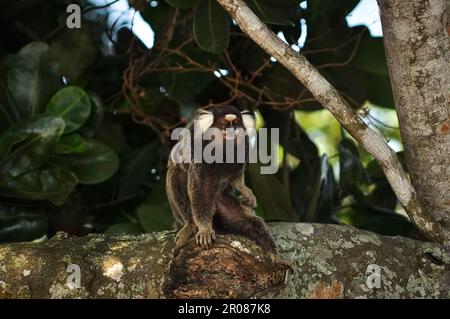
[[370, 58], [271, 195], [74, 51], [383, 196], [282, 3], [22, 223], [152, 101], [155, 217], [28, 145], [95, 119], [269, 14], [154, 213], [138, 170], [95, 165], [211, 27], [54, 185], [324, 201], [390, 224], [123, 229], [8, 115], [337, 9], [72, 143], [33, 78], [182, 4], [351, 169], [73, 105]]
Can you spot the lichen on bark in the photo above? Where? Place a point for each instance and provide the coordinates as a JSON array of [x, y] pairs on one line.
[[328, 261]]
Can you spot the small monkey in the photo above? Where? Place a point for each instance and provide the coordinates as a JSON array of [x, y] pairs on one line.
[[203, 196]]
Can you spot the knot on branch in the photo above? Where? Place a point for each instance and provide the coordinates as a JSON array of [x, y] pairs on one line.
[[232, 268]]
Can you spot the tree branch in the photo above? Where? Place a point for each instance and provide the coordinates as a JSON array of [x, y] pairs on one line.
[[328, 261], [328, 96]]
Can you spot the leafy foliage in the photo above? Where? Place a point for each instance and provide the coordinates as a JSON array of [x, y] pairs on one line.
[[84, 134]]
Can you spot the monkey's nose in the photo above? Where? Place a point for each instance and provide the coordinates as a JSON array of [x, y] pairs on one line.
[[230, 118]]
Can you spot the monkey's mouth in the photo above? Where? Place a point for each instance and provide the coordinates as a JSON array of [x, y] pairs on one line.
[[230, 134]]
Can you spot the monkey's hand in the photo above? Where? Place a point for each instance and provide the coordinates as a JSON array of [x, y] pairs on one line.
[[205, 236], [249, 200]]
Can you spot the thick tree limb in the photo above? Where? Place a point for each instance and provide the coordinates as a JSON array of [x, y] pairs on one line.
[[417, 42], [328, 96], [328, 261]]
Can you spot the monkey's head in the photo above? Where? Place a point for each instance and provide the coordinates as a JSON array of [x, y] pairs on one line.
[[224, 118]]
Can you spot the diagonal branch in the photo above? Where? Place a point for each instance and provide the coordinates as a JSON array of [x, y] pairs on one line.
[[328, 96]]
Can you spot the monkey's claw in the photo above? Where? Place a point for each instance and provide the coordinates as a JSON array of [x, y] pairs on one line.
[[276, 259], [249, 202], [205, 237]]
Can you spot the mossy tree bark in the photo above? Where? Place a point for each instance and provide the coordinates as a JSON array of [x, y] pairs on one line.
[[328, 261]]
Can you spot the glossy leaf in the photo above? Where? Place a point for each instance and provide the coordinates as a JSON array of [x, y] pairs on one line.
[[351, 169], [154, 213], [182, 4], [74, 51], [29, 144], [155, 217], [282, 3], [95, 165], [95, 119], [383, 196], [269, 14], [324, 201], [138, 170], [72, 143], [336, 9], [33, 78], [271, 195], [22, 223], [54, 185], [8, 115], [73, 105], [390, 224], [211, 27], [370, 58]]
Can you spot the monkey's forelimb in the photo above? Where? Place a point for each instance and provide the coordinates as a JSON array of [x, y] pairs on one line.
[[202, 192], [249, 198]]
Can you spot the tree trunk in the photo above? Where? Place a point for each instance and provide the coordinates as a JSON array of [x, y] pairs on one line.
[[416, 37], [328, 261]]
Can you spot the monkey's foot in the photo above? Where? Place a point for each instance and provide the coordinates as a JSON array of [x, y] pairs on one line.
[[205, 236], [183, 236]]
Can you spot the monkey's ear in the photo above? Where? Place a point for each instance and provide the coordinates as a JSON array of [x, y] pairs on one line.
[[248, 119], [205, 120], [203, 112]]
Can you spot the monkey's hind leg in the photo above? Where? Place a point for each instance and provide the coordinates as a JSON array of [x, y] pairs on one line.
[[183, 236], [254, 229]]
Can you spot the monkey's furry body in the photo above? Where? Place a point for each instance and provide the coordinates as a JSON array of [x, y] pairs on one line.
[[203, 197]]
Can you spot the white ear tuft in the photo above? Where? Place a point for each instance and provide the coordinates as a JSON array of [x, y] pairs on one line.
[[248, 121], [202, 112], [205, 121]]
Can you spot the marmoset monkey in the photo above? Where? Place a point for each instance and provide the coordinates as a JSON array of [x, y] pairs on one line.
[[203, 195]]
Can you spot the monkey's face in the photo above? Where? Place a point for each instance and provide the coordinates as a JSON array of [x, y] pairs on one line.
[[228, 119]]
